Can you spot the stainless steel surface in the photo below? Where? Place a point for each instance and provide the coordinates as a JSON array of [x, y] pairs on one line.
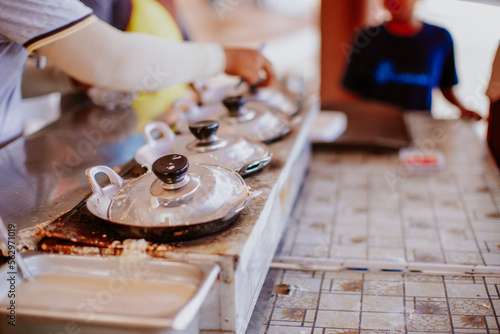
[[118, 271], [214, 192], [42, 176]]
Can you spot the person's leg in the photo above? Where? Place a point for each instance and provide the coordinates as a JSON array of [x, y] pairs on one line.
[[494, 131]]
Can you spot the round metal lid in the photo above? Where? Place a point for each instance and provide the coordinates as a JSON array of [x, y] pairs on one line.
[[233, 152], [276, 99], [253, 120], [178, 194]]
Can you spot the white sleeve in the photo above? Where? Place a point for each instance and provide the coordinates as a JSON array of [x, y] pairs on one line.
[[103, 56], [33, 23]]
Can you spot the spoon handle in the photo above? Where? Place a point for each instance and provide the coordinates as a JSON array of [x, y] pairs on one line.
[[4, 237]]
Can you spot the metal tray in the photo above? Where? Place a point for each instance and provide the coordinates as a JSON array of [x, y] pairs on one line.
[[113, 271]]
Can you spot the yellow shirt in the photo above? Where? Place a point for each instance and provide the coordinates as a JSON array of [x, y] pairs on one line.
[[150, 17]]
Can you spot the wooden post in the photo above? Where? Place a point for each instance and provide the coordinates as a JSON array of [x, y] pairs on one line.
[[339, 18]]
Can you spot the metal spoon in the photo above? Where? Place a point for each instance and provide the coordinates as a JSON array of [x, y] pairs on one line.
[[4, 237]]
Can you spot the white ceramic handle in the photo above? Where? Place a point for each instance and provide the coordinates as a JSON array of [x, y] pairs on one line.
[[163, 128], [114, 178]]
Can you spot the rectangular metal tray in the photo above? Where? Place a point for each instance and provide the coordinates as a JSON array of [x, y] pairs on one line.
[[110, 271]]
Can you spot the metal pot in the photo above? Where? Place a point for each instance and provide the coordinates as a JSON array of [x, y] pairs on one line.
[[255, 120], [234, 152], [168, 203], [287, 96], [276, 99]]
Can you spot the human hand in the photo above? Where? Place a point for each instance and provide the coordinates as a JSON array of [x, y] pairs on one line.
[[250, 65], [469, 115]]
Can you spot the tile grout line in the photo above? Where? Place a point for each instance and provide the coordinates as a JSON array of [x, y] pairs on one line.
[[492, 305], [490, 192], [497, 206], [334, 220], [296, 220], [304, 195], [435, 219], [448, 304], [404, 304], [274, 302], [399, 194], [317, 304], [361, 302], [469, 220]]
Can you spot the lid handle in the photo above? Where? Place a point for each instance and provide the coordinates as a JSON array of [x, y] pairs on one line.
[[234, 105], [205, 131], [114, 178], [164, 129], [171, 169]]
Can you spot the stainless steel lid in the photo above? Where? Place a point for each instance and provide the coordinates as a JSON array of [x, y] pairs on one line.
[[236, 153], [276, 99], [253, 120], [233, 152], [169, 195]]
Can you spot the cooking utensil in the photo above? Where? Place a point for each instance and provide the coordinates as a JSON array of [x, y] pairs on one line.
[[275, 98], [4, 237], [169, 204], [236, 153], [287, 95], [65, 290], [253, 120]]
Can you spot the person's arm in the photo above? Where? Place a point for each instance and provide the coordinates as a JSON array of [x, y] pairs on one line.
[[103, 56], [464, 112]]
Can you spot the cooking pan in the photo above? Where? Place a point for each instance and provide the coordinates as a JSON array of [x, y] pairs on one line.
[[169, 203]]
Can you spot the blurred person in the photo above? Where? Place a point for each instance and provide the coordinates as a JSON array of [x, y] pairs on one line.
[[152, 18], [402, 60], [493, 92], [96, 54]]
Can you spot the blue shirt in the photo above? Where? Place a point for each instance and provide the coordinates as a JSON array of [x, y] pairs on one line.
[[401, 70]]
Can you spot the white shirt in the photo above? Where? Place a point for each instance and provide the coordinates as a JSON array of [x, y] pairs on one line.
[[26, 25]]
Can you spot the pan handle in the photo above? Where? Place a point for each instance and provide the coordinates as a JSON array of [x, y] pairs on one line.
[[114, 178], [241, 205], [164, 129]]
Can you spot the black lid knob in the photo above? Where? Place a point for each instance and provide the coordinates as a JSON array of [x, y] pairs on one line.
[[253, 89], [171, 168], [204, 130], [234, 104]]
